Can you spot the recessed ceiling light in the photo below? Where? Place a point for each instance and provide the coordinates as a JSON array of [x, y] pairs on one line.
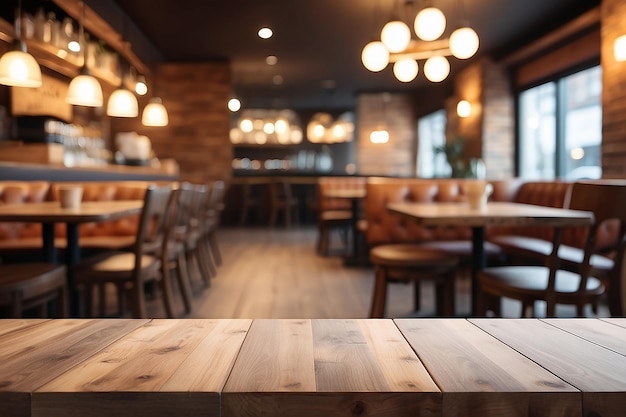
[[265, 33], [271, 60], [277, 79]]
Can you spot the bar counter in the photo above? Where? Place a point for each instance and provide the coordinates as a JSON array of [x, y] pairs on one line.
[[19, 171], [300, 367]]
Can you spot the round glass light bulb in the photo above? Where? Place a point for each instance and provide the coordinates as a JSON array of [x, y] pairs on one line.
[[281, 126], [463, 108], [268, 128], [464, 43], [429, 24], [396, 36], [265, 33], [141, 88], [234, 105], [375, 56], [436, 68], [405, 70]]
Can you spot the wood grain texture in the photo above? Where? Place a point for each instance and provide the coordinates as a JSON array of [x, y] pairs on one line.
[[603, 333], [12, 325], [586, 365], [187, 361], [328, 367], [478, 375]]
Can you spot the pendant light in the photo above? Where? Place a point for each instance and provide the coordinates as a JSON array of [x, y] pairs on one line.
[[155, 113], [122, 102], [84, 89], [17, 67]]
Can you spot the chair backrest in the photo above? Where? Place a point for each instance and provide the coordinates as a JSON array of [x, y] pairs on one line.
[[152, 222], [606, 199], [215, 202]]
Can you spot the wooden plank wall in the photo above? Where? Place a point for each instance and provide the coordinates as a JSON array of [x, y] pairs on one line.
[[613, 91]]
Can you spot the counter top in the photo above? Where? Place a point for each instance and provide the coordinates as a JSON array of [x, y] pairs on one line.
[[405, 367]]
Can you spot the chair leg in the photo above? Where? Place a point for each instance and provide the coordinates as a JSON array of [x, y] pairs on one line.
[[139, 301], [417, 295], [62, 300], [379, 297], [215, 249], [166, 289]]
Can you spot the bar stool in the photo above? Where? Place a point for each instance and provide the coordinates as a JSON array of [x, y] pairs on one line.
[[405, 262], [282, 201]]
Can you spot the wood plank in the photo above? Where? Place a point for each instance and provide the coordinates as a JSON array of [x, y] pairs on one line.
[[581, 363], [12, 325], [600, 332], [142, 374], [330, 368], [36, 351], [478, 375]]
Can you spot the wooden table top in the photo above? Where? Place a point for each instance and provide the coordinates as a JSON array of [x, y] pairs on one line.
[[52, 212], [495, 213], [236, 367]]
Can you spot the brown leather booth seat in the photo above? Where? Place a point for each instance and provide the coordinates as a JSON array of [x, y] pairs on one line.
[[20, 237]]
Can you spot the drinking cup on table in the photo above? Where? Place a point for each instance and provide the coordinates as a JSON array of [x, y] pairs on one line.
[[70, 196], [478, 191]]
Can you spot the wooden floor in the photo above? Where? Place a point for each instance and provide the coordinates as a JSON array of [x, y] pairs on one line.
[[276, 273]]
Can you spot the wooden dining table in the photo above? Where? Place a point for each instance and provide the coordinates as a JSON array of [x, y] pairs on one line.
[[304, 367], [495, 213], [50, 212]]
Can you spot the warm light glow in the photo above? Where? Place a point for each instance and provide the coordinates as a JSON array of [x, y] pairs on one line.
[[463, 108], [73, 46], [396, 36], [619, 49], [268, 128], [577, 153], [405, 69], [375, 56], [141, 87], [436, 68], [430, 24], [265, 33], [122, 103], [19, 69], [246, 125], [155, 113], [271, 60], [234, 104], [379, 136], [281, 126], [339, 130], [296, 135], [85, 90], [464, 43], [318, 131]]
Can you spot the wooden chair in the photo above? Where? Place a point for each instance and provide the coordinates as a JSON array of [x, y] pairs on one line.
[[282, 201], [212, 217], [556, 283], [33, 285], [405, 262], [131, 270]]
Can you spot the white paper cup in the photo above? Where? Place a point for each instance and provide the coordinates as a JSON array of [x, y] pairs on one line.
[[70, 196], [478, 191]]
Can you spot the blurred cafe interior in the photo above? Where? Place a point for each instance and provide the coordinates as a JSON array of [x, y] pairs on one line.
[[272, 100]]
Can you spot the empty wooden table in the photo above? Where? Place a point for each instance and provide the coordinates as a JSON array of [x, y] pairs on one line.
[[406, 367], [49, 213], [496, 213]]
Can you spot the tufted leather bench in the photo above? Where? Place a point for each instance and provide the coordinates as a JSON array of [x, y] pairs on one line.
[[20, 238]]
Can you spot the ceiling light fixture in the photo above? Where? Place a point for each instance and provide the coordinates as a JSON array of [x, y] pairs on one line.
[[122, 103], [429, 26], [18, 68], [265, 33], [234, 104], [155, 113], [141, 85], [84, 89]]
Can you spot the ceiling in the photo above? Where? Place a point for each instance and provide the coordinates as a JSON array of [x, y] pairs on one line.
[[318, 42]]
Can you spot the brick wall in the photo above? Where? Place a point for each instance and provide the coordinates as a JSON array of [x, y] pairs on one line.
[[490, 128], [398, 156], [613, 91]]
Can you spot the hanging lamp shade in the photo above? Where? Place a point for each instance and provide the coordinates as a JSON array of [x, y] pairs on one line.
[[405, 70], [85, 90], [436, 68], [18, 68], [122, 103], [155, 113]]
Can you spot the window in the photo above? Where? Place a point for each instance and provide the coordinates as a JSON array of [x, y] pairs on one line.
[[431, 133], [560, 128]]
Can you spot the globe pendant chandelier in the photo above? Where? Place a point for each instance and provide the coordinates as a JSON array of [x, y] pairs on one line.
[[396, 46]]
